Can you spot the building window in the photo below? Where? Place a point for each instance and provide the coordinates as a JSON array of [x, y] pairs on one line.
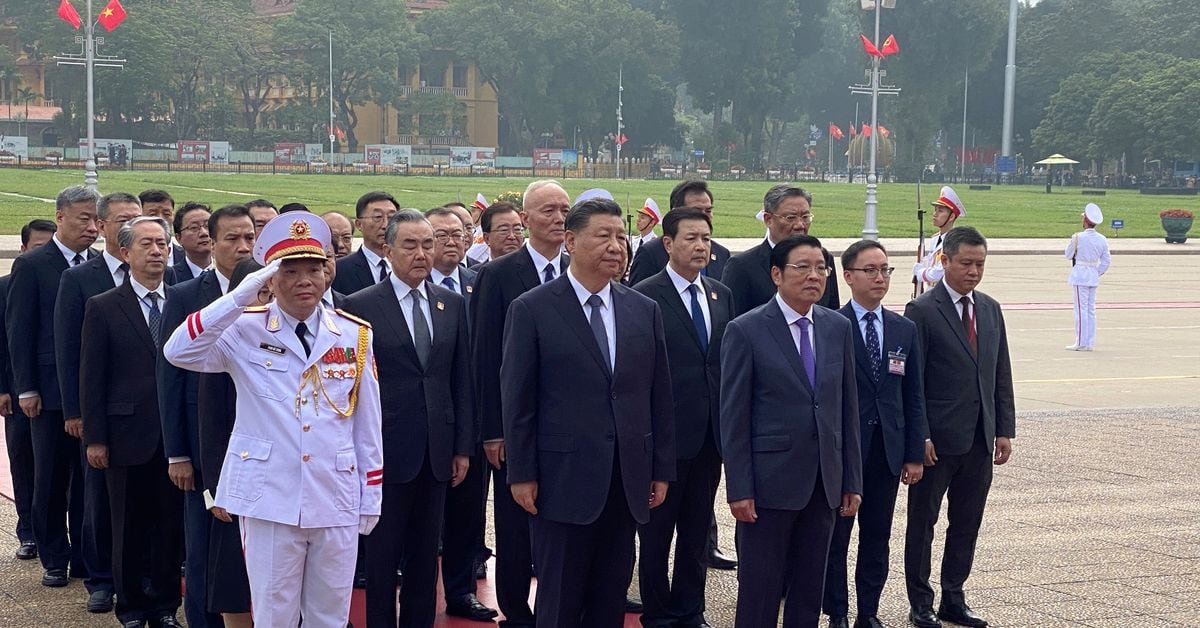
[[460, 76], [404, 124], [403, 75], [433, 76]]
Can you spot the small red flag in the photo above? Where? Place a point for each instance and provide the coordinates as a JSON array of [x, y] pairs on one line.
[[622, 140], [112, 15], [890, 46], [883, 130], [867, 46], [835, 132], [866, 131], [68, 14], [853, 130]]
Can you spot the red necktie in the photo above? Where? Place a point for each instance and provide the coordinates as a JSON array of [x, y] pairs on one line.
[[969, 324]]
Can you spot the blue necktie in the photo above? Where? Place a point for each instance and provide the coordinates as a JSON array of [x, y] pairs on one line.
[[873, 352], [155, 318], [806, 352], [548, 273], [698, 319], [449, 283]]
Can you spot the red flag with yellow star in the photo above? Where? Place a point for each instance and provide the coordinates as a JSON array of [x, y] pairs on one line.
[[112, 15]]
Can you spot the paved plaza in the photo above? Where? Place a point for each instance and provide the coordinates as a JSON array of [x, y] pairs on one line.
[[1094, 522]]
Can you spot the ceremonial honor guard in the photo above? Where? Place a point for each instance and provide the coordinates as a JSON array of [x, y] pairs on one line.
[[648, 217], [946, 210], [1088, 252], [304, 466]]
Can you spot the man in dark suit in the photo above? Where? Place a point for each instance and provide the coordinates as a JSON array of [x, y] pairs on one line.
[[497, 285], [122, 431], [261, 212], [891, 411], [503, 229], [787, 211], [972, 421], [587, 407], [368, 265], [789, 434], [17, 437], [159, 203], [191, 230], [33, 289], [101, 273], [466, 503], [695, 312], [232, 232], [652, 258], [423, 357]]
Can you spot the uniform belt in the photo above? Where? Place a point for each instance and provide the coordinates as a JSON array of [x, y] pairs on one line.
[[1095, 264]]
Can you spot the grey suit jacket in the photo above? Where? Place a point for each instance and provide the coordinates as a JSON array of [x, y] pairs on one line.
[[778, 433], [963, 390]]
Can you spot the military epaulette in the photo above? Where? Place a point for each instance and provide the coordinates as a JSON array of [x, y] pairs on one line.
[[255, 309], [349, 316]]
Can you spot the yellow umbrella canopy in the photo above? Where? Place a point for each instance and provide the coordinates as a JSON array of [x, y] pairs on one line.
[[1056, 160]]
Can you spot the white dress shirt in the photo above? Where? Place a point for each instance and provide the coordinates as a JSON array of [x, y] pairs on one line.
[[681, 287], [196, 270], [606, 313], [859, 312], [954, 296], [311, 324], [373, 261], [222, 280], [114, 267], [436, 277], [404, 295], [791, 316], [68, 253], [540, 262]]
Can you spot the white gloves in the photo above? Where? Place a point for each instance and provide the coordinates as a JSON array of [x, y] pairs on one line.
[[366, 523], [918, 268], [246, 292]]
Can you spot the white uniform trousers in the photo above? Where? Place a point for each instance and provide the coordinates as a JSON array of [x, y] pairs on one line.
[[296, 572], [1085, 315]]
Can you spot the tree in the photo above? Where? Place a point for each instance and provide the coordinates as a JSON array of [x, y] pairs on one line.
[[371, 42]]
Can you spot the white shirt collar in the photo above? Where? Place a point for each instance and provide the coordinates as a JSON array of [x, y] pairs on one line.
[[112, 262], [66, 252], [859, 310], [540, 261], [402, 289], [582, 293], [222, 280], [955, 296], [327, 298], [141, 291], [790, 315], [770, 242], [373, 260], [313, 322], [196, 270], [681, 284], [436, 277]]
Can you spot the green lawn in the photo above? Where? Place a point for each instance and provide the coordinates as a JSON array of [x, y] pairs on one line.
[[1003, 211]]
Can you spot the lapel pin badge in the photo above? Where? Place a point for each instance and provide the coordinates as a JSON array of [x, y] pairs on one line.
[[713, 295], [441, 306]]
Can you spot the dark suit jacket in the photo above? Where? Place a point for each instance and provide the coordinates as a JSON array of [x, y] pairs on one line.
[[217, 409], [183, 272], [777, 432], [354, 273], [118, 393], [6, 387], [32, 292], [896, 402], [652, 257], [695, 375], [566, 416], [498, 283], [962, 389], [427, 412], [748, 275], [177, 388], [77, 285]]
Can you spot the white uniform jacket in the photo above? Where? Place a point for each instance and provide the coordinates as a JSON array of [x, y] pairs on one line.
[[292, 458], [1090, 250]]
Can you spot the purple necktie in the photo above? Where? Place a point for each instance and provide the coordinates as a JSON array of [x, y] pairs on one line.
[[806, 352]]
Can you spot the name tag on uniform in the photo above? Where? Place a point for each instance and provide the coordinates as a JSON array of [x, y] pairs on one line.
[[896, 360], [273, 348]]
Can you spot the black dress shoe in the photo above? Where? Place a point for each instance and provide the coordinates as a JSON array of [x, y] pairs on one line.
[[469, 607], [27, 551], [167, 621], [633, 606], [54, 578], [962, 615], [100, 601], [718, 560], [133, 623], [867, 621], [839, 622], [923, 617]]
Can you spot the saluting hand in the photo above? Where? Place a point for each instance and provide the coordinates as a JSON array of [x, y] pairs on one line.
[[525, 494], [247, 292]]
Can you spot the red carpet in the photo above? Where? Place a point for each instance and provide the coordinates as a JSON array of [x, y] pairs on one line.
[[486, 588]]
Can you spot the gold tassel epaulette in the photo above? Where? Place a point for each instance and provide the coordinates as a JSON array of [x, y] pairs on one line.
[[346, 315]]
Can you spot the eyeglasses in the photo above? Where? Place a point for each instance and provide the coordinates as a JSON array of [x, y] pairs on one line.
[[505, 232], [790, 218], [444, 237], [872, 272], [379, 217], [200, 226], [805, 269]]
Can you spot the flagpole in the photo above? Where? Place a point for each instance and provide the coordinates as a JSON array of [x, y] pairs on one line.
[[331, 132], [90, 175], [870, 229], [962, 159], [620, 120]]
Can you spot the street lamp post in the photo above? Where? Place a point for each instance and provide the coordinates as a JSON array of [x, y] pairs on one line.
[[620, 120], [870, 229]]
